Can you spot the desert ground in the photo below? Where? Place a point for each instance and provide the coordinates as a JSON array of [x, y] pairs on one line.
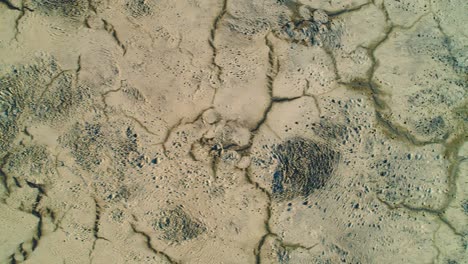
[[233, 131]]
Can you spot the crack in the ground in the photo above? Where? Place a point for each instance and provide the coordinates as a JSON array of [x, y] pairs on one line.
[[459, 69], [22, 11], [439, 214], [5, 176], [212, 40], [380, 106], [403, 134], [36, 213], [373, 91], [179, 123], [271, 74], [113, 32], [332, 57], [97, 219], [9, 5], [268, 232], [78, 69], [452, 149], [168, 135], [349, 10], [51, 82], [25, 249], [140, 123], [435, 246], [92, 7], [150, 246], [103, 98], [39, 228]]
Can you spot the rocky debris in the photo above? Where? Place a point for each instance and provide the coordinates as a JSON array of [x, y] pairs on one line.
[[319, 30]]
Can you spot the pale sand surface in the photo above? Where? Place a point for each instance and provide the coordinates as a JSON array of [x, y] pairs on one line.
[[235, 131]]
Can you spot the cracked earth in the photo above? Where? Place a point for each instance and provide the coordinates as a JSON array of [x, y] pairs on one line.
[[222, 131]]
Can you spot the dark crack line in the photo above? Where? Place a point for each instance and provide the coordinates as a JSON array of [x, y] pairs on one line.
[[17, 182], [350, 10], [23, 252], [451, 154], [401, 133], [379, 106], [332, 57], [150, 246], [179, 123], [36, 213], [191, 155], [17, 24], [39, 232], [78, 69], [439, 214], [22, 13], [272, 72], [434, 245], [4, 175], [452, 149], [140, 123], [258, 250], [375, 93], [111, 30], [13, 259], [98, 211], [168, 135], [266, 112], [97, 219], [9, 5], [103, 98], [50, 83], [92, 7], [271, 75], [294, 246], [212, 40], [268, 231], [214, 167], [264, 118], [40, 215]]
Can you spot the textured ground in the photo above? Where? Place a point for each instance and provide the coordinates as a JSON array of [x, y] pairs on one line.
[[235, 131]]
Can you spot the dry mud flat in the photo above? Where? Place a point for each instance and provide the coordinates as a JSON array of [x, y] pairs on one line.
[[203, 131]]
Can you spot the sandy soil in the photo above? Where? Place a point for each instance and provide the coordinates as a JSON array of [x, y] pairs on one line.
[[222, 131]]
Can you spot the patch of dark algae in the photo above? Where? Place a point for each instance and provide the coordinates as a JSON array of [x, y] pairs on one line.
[[303, 166]]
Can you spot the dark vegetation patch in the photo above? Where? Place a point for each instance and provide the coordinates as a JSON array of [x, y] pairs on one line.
[[20, 95], [176, 225], [435, 127], [138, 8], [29, 162], [87, 144], [65, 8], [465, 206], [91, 142], [303, 166]]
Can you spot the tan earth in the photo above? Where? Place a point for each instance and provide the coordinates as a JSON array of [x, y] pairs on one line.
[[233, 131]]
